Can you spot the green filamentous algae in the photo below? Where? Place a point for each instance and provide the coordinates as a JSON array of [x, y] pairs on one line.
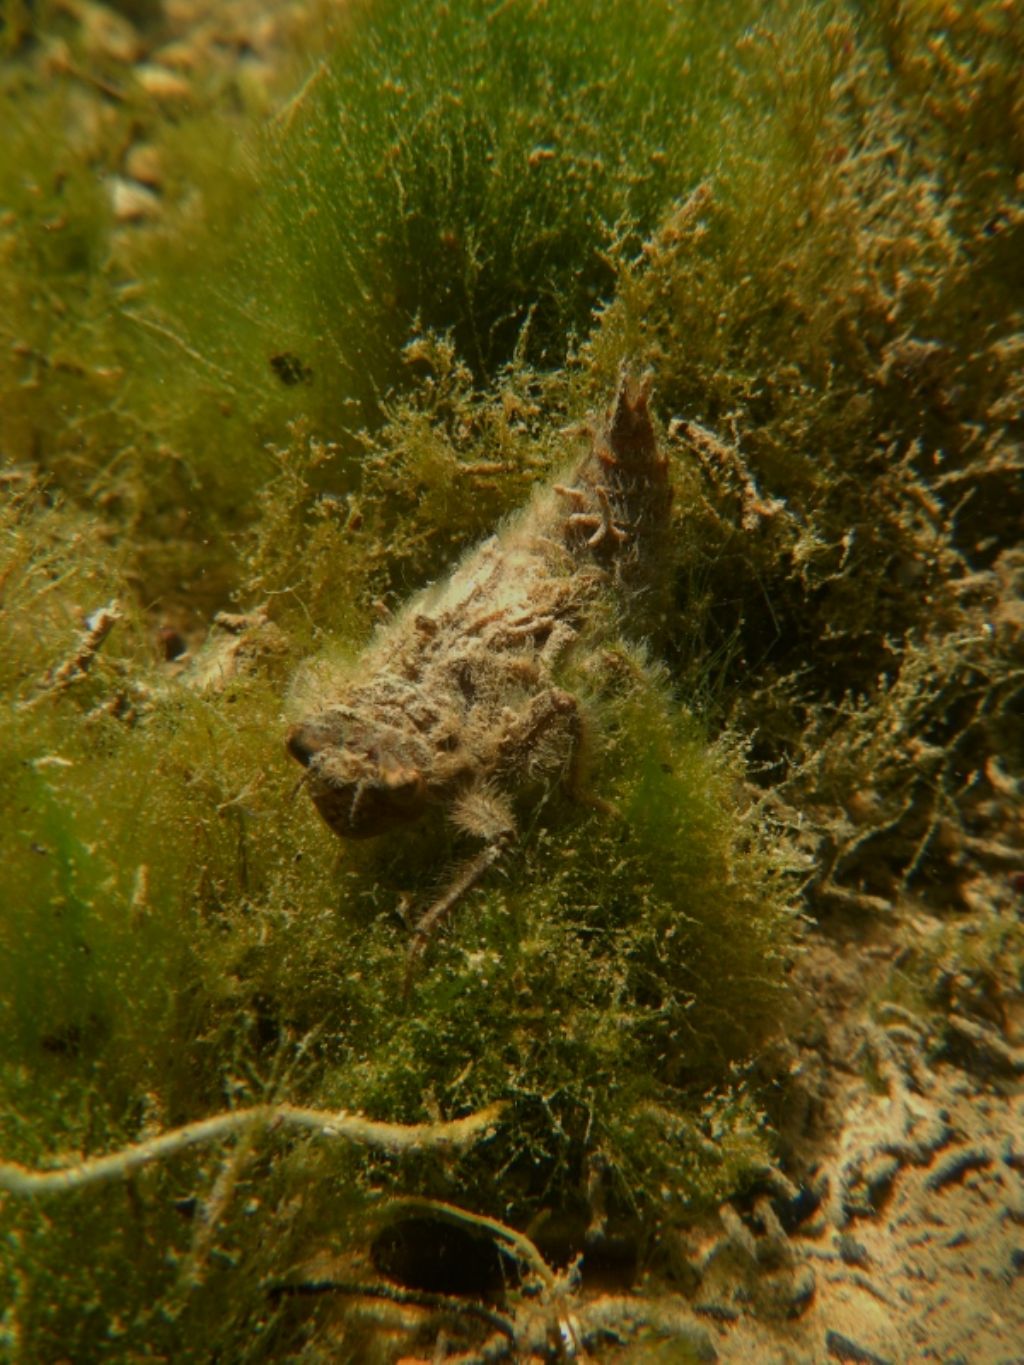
[[299, 305]]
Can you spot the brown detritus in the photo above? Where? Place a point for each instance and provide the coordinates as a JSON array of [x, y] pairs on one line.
[[984, 1046], [236, 644], [98, 626], [456, 703]]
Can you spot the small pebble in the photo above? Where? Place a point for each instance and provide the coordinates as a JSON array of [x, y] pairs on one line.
[[844, 1348], [162, 84], [852, 1252], [181, 14], [107, 34], [145, 164], [132, 202], [958, 1164], [177, 56]]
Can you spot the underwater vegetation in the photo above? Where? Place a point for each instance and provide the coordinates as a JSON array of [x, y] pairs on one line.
[[376, 299]]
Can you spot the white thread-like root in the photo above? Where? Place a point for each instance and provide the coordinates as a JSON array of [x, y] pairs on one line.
[[389, 1137]]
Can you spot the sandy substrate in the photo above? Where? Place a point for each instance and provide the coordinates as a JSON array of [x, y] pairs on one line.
[[910, 1239]]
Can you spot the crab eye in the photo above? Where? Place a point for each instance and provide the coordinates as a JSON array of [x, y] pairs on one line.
[[304, 742]]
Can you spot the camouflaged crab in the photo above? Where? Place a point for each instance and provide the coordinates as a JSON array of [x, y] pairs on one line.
[[455, 703]]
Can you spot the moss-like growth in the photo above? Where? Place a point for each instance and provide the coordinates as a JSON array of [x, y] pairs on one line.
[[811, 231], [200, 933], [835, 319], [464, 169]]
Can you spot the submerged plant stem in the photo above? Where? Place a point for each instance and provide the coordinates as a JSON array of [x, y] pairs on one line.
[[389, 1137]]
